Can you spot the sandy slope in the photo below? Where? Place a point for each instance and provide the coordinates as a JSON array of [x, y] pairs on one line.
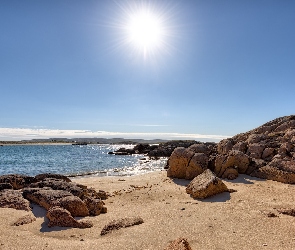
[[228, 221]]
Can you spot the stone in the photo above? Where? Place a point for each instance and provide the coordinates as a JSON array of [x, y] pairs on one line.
[[45, 197], [17, 181], [95, 206], [14, 199], [290, 211], [26, 219], [5, 186], [178, 162], [196, 166], [74, 205], [61, 217], [205, 185], [121, 223], [59, 184], [179, 244], [41, 177]]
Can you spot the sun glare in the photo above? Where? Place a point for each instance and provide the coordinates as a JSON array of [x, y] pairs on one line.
[[145, 31], [146, 28]]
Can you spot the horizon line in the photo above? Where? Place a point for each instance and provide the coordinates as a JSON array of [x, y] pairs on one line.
[[16, 134]]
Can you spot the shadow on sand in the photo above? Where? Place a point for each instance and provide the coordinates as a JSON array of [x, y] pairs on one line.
[[245, 179]]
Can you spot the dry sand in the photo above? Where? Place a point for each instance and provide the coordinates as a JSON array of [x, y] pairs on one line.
[[227, 221]]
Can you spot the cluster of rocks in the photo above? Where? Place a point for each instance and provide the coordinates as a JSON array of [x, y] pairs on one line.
[[62, 198], [154, 150], [267, 152]]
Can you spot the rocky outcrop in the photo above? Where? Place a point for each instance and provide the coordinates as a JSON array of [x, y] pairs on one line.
[[121, 223], [155, 151], [206, 185], [14, 199], [52, 191], [187, 163], [62, 218], [179, 244], [265, 152]]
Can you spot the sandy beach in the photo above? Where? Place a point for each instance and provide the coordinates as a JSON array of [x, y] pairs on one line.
[[238, 220]]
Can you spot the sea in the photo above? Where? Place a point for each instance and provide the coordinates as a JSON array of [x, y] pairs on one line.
[[74, 160]]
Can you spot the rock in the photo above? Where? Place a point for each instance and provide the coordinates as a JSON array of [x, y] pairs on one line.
[[206, 185], [234, 159], [179, 244], [62, 218], [95, 206], [58, 184], [17, 181], [14, 199], [178, 162], [74, 205], [26, 219], [290, 211], [264, 152], [5, 186], [45, 197], [121, 223], [41, 177], [196, 166]]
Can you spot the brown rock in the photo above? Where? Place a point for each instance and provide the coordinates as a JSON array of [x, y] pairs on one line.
[[234, 159], [17, 181], [196, 166], [41, 177], [290, 211], [95, 206], [179, 244], [206, 185], [29, 218], [62, 218], [14, 199], [74, 205], [178, 162], [121, 223], [58, 184], [5, 186], [45, 197]]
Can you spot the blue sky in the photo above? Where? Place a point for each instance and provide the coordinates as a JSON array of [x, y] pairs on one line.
[[224, 67]]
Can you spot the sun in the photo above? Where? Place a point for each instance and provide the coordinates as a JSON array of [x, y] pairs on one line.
[[145, 30]]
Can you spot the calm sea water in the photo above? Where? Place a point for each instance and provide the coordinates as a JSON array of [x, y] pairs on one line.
[[73, 160]]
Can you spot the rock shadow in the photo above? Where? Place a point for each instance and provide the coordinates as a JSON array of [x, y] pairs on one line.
[[181, 182], [245, 179], [222, 197]]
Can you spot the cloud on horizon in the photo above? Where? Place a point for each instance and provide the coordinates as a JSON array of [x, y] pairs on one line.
[[15, 134]]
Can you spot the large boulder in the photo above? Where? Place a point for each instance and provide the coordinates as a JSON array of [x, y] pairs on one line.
[[196, 166], [205, 185], [178, 162]]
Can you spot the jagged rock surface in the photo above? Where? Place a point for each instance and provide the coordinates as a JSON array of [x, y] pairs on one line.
[[266, 152], [14, 199], [52, 190], [121, 223], [62, 218], [205, 185]]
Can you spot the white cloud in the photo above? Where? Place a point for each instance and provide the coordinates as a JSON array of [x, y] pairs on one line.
[[34, 133]]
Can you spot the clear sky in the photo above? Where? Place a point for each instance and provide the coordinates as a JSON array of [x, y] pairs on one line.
[[150, 69]]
